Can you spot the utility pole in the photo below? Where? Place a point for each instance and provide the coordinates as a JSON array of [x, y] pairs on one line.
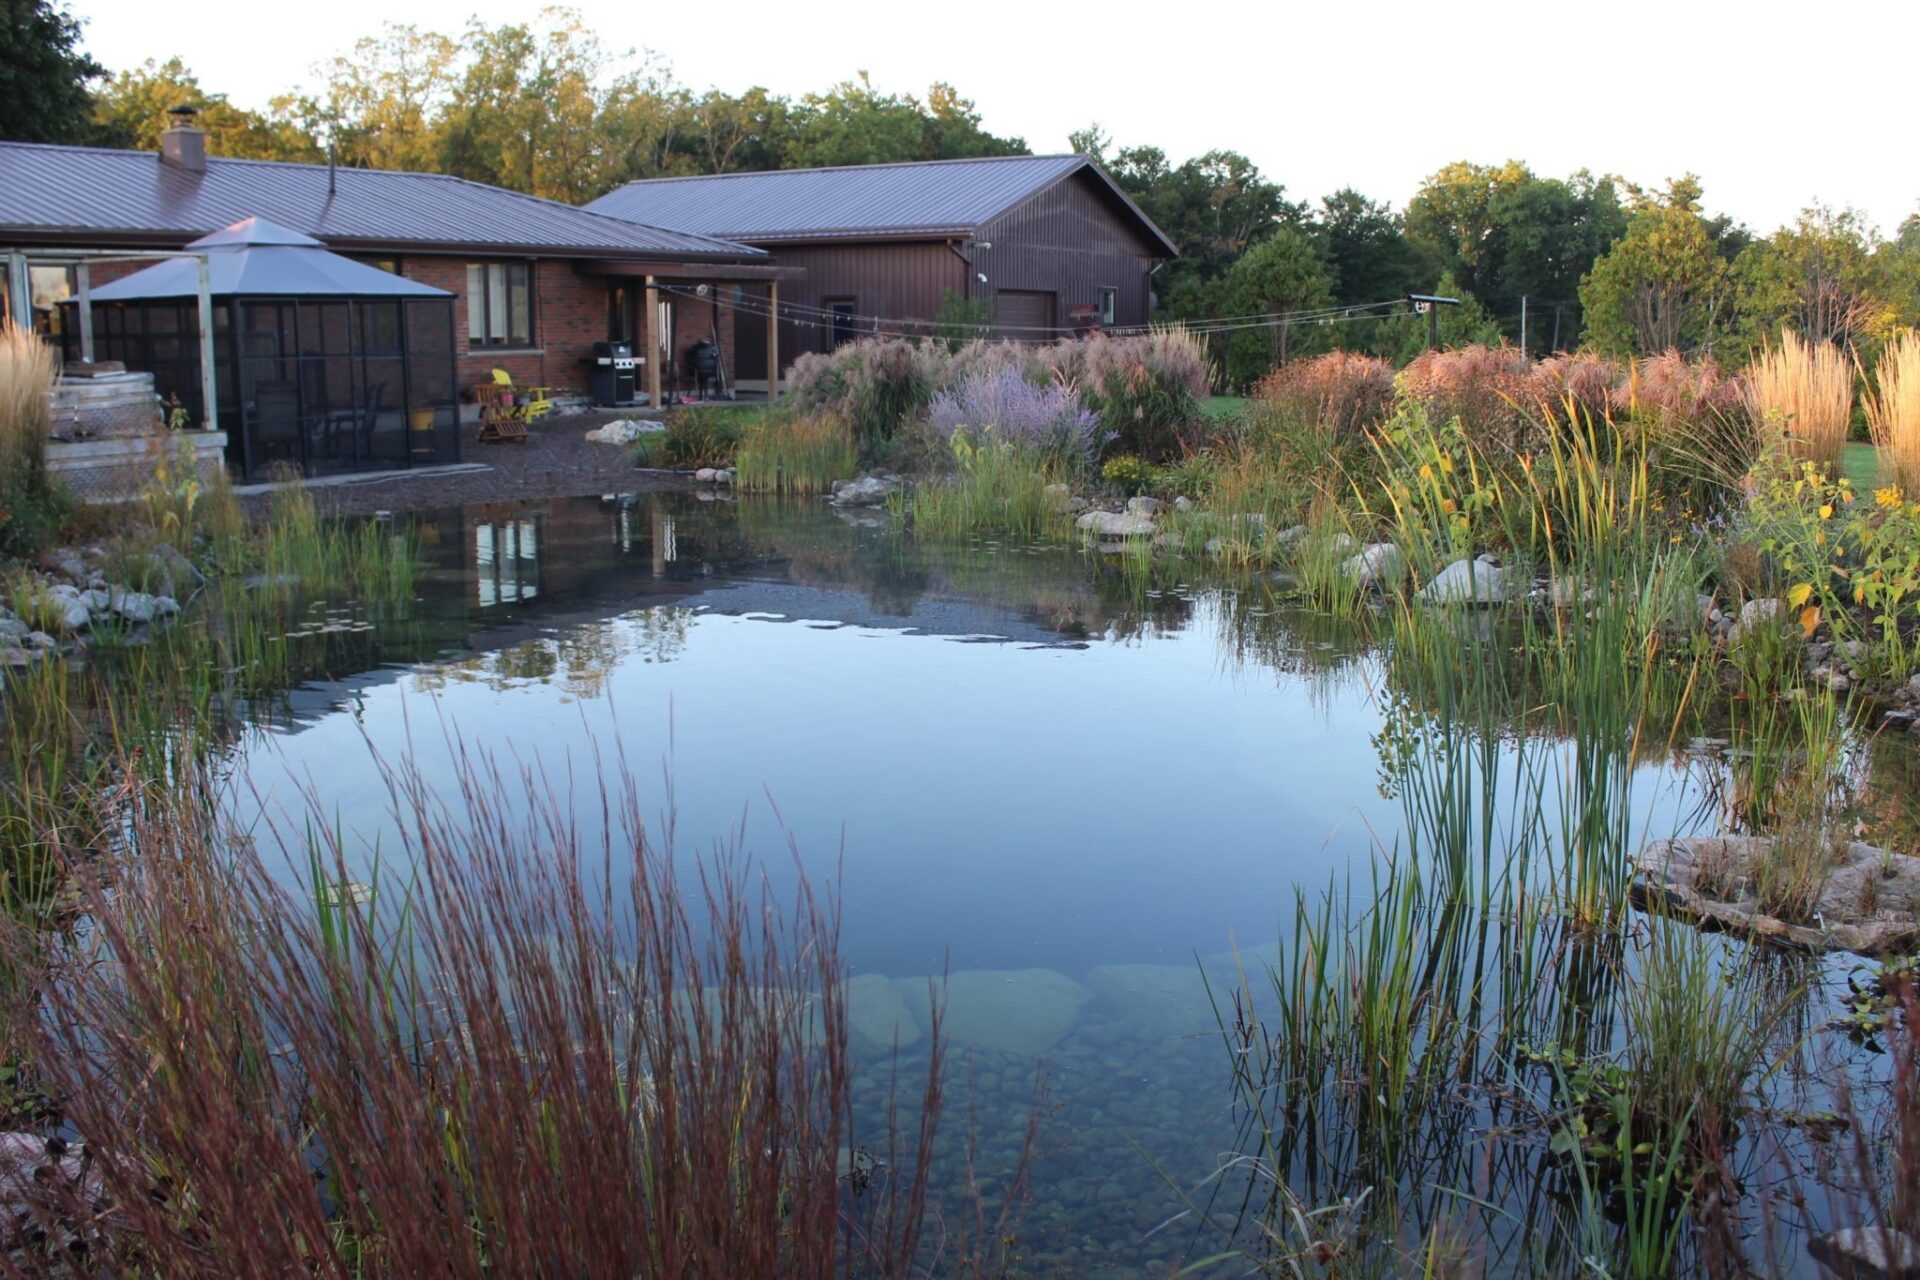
[[1431, 304]]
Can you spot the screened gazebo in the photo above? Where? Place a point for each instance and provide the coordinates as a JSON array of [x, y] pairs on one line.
[[321, 363]]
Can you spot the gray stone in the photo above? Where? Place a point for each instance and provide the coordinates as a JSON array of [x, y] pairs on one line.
[[1292, 536], [1183, 504], [1171, 541], [1143, 506], [1017, 1011], [1115, 524], [1868, 1253], [1466, 582], [1378, 564], [867, 491], [706, 475], [1756, 614], [138, 606], [41, 640], [1160, 999], [1869, 902], [619, 431], [877, 1015]]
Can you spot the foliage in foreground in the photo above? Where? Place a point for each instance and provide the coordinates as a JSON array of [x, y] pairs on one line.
[[28, 503], [533, 1053]]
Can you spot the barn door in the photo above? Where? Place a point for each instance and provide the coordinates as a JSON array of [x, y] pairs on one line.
[[1024, 313]]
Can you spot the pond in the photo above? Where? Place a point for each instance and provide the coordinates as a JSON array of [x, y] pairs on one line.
[[1072, 785]]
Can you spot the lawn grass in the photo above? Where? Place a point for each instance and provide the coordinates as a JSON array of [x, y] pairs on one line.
[[1221, 406], [1861, 463]]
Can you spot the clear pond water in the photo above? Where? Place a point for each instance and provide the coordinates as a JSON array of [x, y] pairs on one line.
[[1071, 789]]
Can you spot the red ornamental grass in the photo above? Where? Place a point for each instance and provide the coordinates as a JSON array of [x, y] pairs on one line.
[[538, 1055], [1343, 390]]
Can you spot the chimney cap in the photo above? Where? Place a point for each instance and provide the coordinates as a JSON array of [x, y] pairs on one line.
[[183, 115]]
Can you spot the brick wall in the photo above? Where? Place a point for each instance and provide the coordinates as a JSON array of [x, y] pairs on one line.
[[569, 316]]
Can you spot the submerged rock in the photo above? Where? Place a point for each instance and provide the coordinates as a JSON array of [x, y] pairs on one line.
[[877, 1015], [1479, 581], [1017, 1011], [1160, 999], [1869, 901], [1115, 524]]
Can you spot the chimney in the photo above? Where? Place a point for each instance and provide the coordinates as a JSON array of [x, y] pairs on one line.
[[183, 144]]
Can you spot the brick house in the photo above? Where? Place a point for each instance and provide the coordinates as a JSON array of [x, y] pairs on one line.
[[537, 282]]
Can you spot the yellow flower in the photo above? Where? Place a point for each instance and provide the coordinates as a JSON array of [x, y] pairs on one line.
[[1888, 497], [1446, 465], [1826, 511], [1426, 472]]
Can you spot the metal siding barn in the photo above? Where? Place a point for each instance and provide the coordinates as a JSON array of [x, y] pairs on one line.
[[1050, 243]]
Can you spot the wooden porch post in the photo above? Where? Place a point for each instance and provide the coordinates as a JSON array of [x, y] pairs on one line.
[[653, 345], [773, 340], [19, 291]]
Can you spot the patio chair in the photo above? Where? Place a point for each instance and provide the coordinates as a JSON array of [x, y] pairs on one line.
[[534, 403], [501, 419]]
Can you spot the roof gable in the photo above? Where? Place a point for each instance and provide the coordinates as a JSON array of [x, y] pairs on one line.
[[94, 193], [859, 202]]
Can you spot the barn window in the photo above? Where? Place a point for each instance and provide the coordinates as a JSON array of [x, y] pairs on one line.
[[841, 327], [1108, 299], [500, 304]]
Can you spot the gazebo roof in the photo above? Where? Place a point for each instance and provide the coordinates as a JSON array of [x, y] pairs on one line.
[[257, 258]]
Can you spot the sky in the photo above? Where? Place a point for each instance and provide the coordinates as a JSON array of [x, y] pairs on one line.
[[1774, 105]]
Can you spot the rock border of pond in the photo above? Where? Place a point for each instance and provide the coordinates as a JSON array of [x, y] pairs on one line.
[[1853, 909]]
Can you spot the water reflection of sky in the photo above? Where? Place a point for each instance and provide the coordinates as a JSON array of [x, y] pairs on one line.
[[1002, 790]]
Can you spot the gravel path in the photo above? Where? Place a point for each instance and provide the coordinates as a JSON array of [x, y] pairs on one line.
[[556, 461]]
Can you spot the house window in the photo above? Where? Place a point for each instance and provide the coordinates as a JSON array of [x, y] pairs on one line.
[[1108, 303], [389, 265], [841, 327], [51, 286], [500, 304]]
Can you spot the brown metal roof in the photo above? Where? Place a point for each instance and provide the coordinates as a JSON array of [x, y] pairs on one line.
[[917, 200], [92, 195]]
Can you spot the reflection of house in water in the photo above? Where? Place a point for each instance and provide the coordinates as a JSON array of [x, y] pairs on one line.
[[506, 560]]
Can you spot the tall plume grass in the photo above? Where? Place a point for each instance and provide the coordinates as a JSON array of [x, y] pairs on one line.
[[536, 1053], [28, 370], [1893, 411], [1802, 393]]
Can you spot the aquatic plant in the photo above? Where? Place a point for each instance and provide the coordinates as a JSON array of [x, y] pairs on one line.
[[795, 453], [997, 485], [491, 1062]]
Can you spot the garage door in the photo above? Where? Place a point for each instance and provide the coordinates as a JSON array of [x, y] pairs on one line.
[[1023, 313]]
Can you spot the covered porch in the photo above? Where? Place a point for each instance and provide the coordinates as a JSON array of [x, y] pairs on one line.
[[669, 311]]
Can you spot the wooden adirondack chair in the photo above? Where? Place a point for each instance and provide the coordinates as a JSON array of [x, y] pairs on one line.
[[501, 419], [534, 402]]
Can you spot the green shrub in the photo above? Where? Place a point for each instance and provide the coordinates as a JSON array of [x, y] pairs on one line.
[[1128, 473], [694, 438]]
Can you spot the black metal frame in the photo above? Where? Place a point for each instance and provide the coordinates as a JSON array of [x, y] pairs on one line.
[[323, 385]]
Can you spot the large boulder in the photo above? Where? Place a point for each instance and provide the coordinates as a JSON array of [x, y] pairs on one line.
[[1115, 524], [1017, 1011], [877, 1015], [1757, 615], [867, 491], [619, 431], [1379, 564], [1143, 506], [1158, 999], [1479, 581]]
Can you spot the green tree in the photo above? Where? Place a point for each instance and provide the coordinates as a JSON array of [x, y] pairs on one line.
[[1507, 234], [1665, 284], [526, 112], [44, 74], [1366, 247], [381, 106], [131, 111], [1280, 273], [1823, 277], [854, 123]]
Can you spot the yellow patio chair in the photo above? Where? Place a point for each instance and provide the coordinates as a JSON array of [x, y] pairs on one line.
[[534, 403]]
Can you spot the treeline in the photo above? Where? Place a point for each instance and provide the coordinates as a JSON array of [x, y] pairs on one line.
[[546, 107]]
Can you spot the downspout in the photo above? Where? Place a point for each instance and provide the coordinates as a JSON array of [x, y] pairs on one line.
[[966, 277]]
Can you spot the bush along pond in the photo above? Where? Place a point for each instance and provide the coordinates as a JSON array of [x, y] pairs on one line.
[[1003, 819]]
